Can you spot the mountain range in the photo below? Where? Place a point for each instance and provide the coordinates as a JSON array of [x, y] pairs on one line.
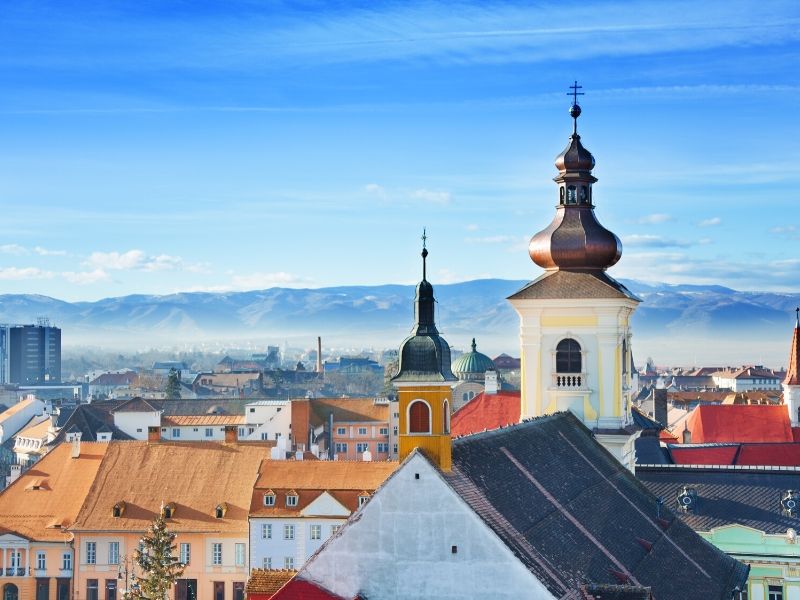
[[676, 324]]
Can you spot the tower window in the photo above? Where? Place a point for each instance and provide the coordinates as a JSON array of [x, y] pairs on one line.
[[561, 194], [419, 417], [568, 356], [572, 195], [446, 417], [584, 195]]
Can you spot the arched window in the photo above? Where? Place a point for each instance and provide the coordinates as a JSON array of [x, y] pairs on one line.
[[419, 417], [568, 356], [572, 195], [446, 417]]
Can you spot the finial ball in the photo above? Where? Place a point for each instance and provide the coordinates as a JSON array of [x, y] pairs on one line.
[[574, 111]]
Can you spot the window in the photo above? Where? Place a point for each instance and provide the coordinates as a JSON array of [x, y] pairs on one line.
[[334, 529], [209, 432], [291, 500], [395, 429], [360, 448], [568, 356], [186, 553], [384, 431], [572, 196], [269, 499], [264, 436], [91, 556], [42, 588], [91, 589], [419, 417], [219, 590], [113, 553], [216, 554], [446, 417], [775, 592], [341, 431], [16, 559], [362, 500], [395, 449], [341, 448], [396, 415], [316, 532], [288, 532], [383, 447], [238, 590], [266, 563], [362, 431], [41, 561], [111, 589], [176, 432], [66, 561], [239, 554], [288, 563]]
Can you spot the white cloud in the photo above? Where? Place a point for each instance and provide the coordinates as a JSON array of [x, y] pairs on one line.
[[374, 189], [255, 281], [710, 222], [434, 196], [15, 249], [472, 227], [85, 277], [16, 273], [135, 260], [46, 252], [654, 219], [653, 241]]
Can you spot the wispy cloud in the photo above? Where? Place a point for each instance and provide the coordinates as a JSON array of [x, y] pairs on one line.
[[433, 196], [134, 260], [489, 239], [47, 252], [86, 277], [713, 221], [654, 219], [14, 249], [653, 241], [19, 274]]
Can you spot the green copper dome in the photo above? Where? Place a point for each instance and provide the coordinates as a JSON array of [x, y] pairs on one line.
[[472, 365]]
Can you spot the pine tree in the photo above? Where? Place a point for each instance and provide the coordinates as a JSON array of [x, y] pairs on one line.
[[173, 389], [158, 567]]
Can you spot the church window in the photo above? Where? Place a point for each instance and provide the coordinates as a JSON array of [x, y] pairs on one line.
[[561, 194], [584, 194], [568, 356], [572, 195], [419, 417], [465, 397], [446, 417]]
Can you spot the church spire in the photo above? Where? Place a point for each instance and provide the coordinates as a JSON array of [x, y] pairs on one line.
[[575, 240], [793, 372]]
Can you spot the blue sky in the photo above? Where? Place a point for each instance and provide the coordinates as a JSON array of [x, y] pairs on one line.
[[155, 147]]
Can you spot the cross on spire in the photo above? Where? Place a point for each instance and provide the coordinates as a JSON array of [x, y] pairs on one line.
[[424, 254], [424, 238], [575, 93]]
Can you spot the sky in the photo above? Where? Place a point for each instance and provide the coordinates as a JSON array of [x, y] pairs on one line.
[[157, 147]]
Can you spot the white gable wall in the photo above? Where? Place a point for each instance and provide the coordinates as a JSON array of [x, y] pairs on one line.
[[399, 545]]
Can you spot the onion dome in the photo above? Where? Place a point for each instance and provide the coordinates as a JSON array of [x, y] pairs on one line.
[[472, 365], [575, 240], [424, 355]]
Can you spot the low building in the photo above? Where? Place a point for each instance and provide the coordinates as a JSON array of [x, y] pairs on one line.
[[746, 378], [297, 505]]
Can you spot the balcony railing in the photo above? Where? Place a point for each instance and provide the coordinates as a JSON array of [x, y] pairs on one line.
[[13, 572], [569, 381]]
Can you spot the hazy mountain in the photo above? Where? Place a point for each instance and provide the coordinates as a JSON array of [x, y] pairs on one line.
[[706, 323]]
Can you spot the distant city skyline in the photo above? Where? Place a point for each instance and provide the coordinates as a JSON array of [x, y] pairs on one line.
[[243, 146]]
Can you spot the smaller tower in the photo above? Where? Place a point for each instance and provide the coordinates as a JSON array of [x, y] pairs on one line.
[[791, 385], [424, 382]]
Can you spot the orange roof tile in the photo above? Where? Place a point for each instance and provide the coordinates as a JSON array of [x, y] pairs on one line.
[[268, 581], [349, 409], [199, 420], [793, 372], [63, 484], [486, 411], [195, 476], [739, 423], [344, 480]]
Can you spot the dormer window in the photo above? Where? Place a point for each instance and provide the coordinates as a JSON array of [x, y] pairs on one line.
[[168, 510], [269, 499], [220, 510], [291, 499], [118, 510], [363, 498]]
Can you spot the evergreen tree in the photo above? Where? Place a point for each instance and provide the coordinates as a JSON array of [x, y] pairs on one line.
[[158, 567], [173, 389]]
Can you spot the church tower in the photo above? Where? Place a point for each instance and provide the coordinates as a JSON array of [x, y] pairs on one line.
[[575, 331], [791, 385], [424, 382]]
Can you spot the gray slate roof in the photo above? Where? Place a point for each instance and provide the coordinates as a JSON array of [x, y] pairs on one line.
[[595, 526], [726, 496], [556, 285]]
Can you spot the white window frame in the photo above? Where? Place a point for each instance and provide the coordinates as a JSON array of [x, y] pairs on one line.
[[185, 553], [113, 553], [266, 531], [266, 562], [315, 532], [209, 432], [291, 500], [341, 447], [362, 500], [240, 551], [288, 562], [362, 431], [41, 560], [288, 532], [384, 431], [176, 432], [66, 561], [269, 499], [341, 431], [91, 554], [216, 553], [362, 447]]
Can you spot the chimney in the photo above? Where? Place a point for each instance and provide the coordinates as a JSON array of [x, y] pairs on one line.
[[490, 385], [319, 354], [75, 439], [16, 471], [660, 406], [687, 435], [153, 434], [230, 434]]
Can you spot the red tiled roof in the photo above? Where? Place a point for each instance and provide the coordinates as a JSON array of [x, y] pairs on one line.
[[704, 455], [740, 423], [774, 455], [298, 589], [486, 411]]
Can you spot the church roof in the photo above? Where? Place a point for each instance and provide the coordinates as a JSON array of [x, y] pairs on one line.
[[557, 285], [584, 518], [472, 362]]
